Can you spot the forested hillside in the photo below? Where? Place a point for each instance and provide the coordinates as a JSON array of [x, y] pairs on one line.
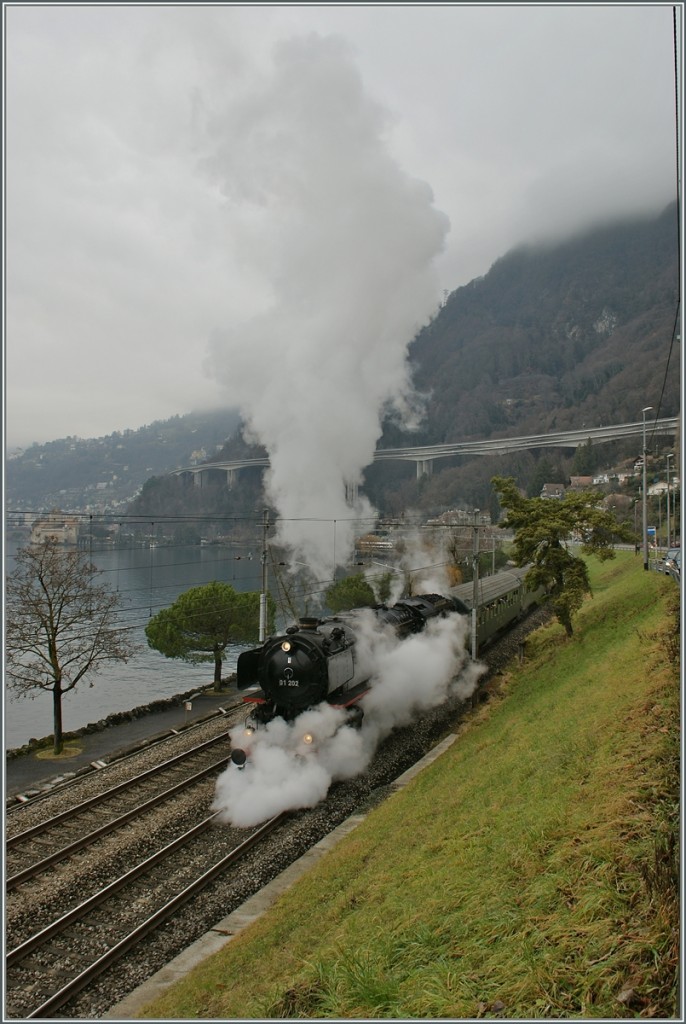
[[552, 338], [77, 473]]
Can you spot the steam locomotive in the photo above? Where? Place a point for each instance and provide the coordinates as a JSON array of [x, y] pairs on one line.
[[315, 660]]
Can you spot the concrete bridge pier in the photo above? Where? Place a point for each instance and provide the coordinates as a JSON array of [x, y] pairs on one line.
[[425, 467], [351, 492], [201, 475]]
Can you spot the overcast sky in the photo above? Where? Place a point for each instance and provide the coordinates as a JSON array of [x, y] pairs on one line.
[[183, 182]]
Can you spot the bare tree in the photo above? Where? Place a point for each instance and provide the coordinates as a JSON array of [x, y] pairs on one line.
[[60, 624]]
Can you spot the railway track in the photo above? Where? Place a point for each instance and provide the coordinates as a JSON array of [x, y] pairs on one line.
[[56, 963], [100, 863], [30, 852], [70, 922], [183, 739]]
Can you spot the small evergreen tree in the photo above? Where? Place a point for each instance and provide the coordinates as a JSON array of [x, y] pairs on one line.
[[545, 473], [543, 528], [203, 621], [351, 592], [585, 461]]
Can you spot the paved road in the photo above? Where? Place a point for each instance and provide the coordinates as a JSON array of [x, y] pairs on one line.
[[29, 772]]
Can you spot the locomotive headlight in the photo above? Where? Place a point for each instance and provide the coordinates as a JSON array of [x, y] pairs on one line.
[[248, 731], [286, 645], [308, 738]]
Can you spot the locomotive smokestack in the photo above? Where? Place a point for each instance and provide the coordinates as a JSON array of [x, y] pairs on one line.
[[309, 623], [238, 757]]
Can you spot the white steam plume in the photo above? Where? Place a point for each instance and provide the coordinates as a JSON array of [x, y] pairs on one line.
[[420, 562], [406, 678], [345, 242]]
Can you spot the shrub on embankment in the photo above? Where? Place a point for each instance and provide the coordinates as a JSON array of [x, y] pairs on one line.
[[530, 872]]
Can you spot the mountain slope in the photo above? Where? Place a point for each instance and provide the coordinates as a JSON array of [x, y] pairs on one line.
[[75, 473], [555, 336]]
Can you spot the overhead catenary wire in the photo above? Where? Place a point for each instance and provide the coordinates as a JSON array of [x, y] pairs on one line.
[[301, 592], [317, 589]]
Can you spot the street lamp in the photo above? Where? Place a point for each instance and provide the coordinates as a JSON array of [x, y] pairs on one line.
[[645, 511], [475, 587], [669, 529]]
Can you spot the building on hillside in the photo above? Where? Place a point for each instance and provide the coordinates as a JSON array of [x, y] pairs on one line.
[[660, 487], [370, 542], [580, 483], [623, 476], [459, 517], [56, 526], [556, 491]]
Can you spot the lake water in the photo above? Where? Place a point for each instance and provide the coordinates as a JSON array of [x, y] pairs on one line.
[[147, 580]]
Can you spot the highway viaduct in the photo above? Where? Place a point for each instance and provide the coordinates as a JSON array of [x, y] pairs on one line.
[[424, 457]]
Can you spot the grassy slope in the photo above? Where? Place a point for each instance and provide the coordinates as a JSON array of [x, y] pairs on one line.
[[528, 872]]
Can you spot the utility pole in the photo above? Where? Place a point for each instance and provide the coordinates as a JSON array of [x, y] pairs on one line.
[[645, 512], [475, 589], [669, 525], [263, 595]]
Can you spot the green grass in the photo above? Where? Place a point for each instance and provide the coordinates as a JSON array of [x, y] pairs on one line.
[[530, 871]]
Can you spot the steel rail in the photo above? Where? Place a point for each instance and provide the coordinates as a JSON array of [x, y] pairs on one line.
[[100, 798], [14, 808], [39, 939], [67, 851], [122, 947]]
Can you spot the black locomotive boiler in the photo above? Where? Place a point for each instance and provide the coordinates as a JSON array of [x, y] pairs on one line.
[[315, 662]]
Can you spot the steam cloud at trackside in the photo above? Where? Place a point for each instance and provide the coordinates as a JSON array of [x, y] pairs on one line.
[[344, 242], [406, 678]]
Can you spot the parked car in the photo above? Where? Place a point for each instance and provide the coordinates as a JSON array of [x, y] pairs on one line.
[[674, 567], [671, 563]]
